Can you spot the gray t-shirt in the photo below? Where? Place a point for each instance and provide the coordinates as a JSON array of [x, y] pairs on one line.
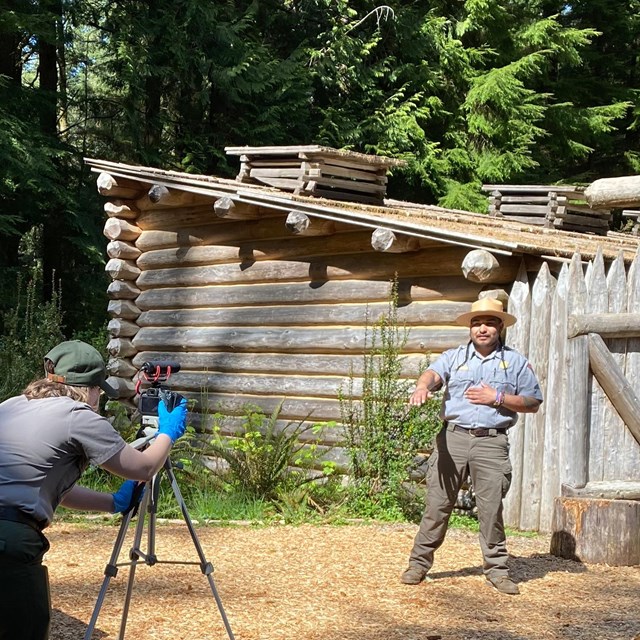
[[45, 445]]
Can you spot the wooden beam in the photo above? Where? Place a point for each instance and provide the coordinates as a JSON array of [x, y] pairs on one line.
[[608, 490], [387, 241], [614, 192], [301, 224], [614, 383], [608, 325]]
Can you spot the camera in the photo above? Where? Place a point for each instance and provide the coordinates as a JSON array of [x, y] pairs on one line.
[[156, 373]]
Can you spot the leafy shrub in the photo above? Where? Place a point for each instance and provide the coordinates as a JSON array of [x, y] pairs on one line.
[[382, 432], [264, 460]]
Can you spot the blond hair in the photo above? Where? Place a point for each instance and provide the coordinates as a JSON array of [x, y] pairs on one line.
[[45, 388]]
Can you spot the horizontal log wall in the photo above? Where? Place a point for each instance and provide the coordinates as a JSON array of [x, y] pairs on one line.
[[256, 311]]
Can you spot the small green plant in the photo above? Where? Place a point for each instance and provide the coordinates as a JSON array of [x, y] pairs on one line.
[[383, 433], [264, 459]]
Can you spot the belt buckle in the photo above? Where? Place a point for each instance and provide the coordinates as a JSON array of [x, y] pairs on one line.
[[479, 433]]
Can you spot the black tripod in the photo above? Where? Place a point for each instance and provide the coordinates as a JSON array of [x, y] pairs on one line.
[[149, 505]]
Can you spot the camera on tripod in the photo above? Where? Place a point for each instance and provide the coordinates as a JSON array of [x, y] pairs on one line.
[[155, 373]]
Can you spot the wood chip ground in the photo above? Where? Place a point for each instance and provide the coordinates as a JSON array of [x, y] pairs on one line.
[[332, 583]]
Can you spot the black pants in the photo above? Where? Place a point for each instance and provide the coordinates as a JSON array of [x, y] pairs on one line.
[[25, 606]]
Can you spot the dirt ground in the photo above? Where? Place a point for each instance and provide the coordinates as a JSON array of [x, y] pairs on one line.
[[331, 583]]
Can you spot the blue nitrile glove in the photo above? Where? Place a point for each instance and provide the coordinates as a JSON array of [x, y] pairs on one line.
[[172, 423], [124, 495]]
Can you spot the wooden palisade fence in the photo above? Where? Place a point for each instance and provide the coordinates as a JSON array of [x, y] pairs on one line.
[[581, 332]]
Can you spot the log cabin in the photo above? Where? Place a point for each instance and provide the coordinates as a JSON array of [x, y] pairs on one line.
[[264, 295]]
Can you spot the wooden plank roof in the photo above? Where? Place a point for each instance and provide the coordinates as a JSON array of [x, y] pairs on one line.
[[449, 226]]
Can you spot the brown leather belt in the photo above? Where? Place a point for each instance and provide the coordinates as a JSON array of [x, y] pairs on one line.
[[476, 433], [13, 514]]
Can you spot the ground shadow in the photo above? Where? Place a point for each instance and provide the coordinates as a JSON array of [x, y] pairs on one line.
[[65, 626], [522, 569]]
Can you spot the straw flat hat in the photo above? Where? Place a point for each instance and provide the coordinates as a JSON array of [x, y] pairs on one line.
[[486, 307]]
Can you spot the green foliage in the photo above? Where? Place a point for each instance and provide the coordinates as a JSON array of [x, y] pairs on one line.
[[31, 327], [266, 459], [383, 433]]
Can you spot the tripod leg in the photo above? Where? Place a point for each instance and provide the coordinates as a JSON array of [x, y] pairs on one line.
[[147, 504], [205, 566], [110, 571]]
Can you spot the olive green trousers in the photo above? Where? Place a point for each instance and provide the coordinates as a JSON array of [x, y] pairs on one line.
[[456, 456]]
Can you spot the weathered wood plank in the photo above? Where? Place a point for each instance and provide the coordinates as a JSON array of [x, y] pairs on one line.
[[533, 464], [574, 429], [282, 363], [554, 401], [608, 325], [270, 384], [414, 314], [614, 429], [291, 340], [597, 301], [612, 490], [631, 457], [219, 232], [517, 338], [338, 291], [366, 267], [255, 251], [619, 390]]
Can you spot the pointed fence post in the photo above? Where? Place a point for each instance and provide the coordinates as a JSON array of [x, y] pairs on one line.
[[534, 425]]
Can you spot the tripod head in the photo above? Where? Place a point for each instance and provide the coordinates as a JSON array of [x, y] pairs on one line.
[[155, 373]]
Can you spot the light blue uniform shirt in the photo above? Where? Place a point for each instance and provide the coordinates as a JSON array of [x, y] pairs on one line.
[[505, 370]]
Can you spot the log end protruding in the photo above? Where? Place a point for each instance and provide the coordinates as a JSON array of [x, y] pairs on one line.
[[158, 193], [618, 192], [482, 266], [228, 209], [117, 187], [117, 229], [302, 225], [121, 209], [387, 241]]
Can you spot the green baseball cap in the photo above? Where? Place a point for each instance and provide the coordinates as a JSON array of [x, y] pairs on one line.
[[78, 364]]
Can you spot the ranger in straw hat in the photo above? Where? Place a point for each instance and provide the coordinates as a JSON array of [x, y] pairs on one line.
[[486, 385]]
